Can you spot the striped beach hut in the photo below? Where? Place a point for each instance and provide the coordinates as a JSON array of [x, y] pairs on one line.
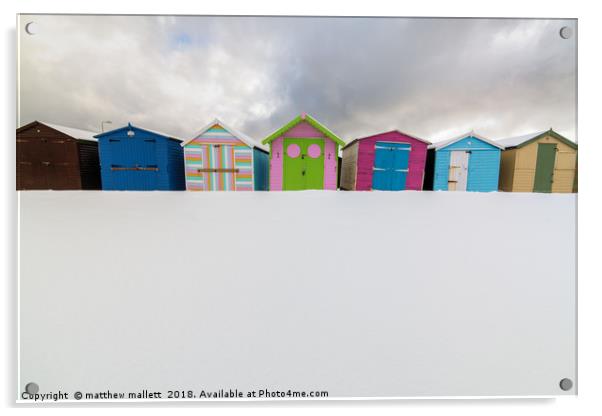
[[220, 158]]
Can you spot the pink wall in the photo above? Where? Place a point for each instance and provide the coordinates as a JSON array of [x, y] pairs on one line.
[[330, 165], [303, 130], [365, 160], [276, 165]]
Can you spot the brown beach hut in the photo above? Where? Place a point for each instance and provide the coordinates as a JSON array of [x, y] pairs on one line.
[[50, 156]]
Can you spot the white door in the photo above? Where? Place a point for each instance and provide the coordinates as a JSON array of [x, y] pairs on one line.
[[458, 170]]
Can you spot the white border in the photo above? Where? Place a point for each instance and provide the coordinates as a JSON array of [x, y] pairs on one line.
[[590, 66]]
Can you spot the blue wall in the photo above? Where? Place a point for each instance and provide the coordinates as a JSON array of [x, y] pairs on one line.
[[483, 165], [260, 170], [147, 150]]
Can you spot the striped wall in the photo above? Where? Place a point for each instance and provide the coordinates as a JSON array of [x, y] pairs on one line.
[[218, 149]]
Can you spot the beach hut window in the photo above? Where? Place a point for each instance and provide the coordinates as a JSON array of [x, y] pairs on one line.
[[314, 151], [293, 150]]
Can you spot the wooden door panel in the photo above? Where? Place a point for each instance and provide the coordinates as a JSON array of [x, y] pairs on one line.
[[544, 169]]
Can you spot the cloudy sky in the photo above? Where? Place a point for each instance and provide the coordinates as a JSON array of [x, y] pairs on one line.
[[434, 78]]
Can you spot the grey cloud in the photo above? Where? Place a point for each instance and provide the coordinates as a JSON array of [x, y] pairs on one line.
[[429, 77]]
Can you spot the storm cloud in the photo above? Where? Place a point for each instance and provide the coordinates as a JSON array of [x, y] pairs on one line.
[[433, 78]]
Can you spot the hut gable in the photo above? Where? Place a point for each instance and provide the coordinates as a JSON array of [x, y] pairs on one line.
[[465, 141], [306, 121], [217, 132], [72, 132], [524, 140]]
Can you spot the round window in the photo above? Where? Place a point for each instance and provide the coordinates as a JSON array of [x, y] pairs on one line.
[[314, 150], [293, 150]]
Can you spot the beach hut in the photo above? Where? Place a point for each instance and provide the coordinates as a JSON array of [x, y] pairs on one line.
[[303, 155], [137, 159], [539, 162], [391, 161], [51, 156], [465, 163], [219, 158]]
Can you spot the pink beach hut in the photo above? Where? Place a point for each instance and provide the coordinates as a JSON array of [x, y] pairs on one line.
[[391, 161], [303, 155]]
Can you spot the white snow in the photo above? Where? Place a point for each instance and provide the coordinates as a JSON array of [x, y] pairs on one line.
[[73, 132], [363, 294], [515, 141]]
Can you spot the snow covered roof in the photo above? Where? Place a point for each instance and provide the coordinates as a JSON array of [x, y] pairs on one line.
[[515, 141], [453, 140], [239, 135], [523, 139], [71, 131]]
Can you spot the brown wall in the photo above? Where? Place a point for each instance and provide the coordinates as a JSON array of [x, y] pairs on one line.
[[349, 167], [507, 165]]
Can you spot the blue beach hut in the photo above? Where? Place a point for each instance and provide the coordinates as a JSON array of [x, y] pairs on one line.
[[137, 159], [465, 163]]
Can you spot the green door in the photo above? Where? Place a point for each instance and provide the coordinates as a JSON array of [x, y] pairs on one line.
[[544, 168], [303, 164]]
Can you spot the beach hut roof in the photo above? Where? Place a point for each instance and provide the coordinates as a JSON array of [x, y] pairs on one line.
[[69, 131], [131, 126], [390, 131], [525, 139], [312, 121], [453, 140], [239, 135]]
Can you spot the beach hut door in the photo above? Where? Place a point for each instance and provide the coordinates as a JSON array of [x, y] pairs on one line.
[[32, 164], [221, 170], [391, 165], [458, 170], [303, 164], [134, 164], [544, 168]]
